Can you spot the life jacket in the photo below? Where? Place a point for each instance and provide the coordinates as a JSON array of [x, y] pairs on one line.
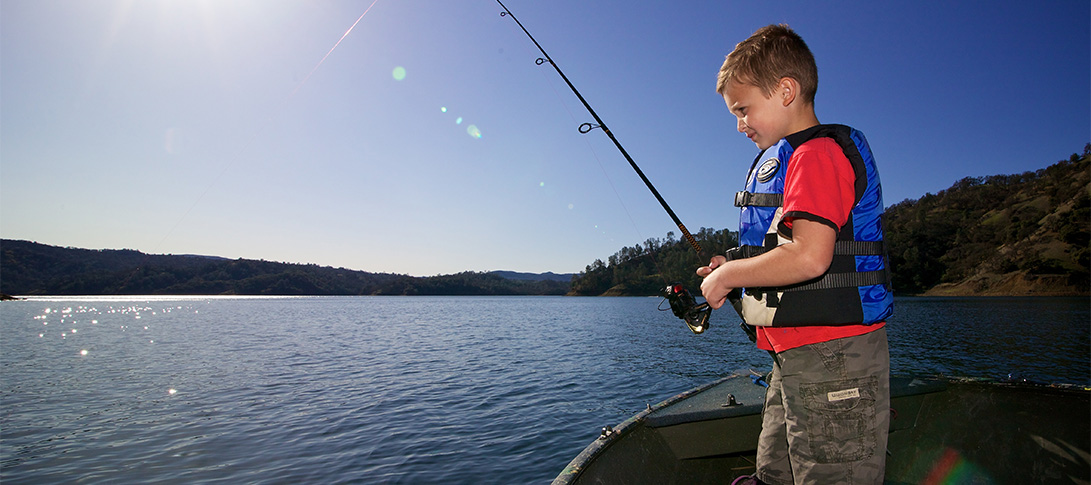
[[856, 287]]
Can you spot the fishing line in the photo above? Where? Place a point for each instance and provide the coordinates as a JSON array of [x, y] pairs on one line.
[[602, 168], [682, 301], [587, 127], [598, 160]]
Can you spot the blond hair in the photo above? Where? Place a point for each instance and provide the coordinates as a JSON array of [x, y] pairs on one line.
[[772, 53]]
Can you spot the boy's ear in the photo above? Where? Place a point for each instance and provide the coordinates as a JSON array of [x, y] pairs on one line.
[[787, 90]]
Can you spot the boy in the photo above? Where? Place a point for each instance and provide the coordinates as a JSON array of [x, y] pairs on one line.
[[812, 270]]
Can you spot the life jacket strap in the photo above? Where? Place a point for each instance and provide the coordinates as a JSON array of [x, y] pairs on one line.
[[829, 280], [859, 248], [845, 280], [745, 199], [840, 248]]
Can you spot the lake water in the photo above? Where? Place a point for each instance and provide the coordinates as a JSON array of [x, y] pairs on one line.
[[410, 389]]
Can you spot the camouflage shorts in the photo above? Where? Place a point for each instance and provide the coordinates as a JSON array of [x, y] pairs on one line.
[[827, 413]]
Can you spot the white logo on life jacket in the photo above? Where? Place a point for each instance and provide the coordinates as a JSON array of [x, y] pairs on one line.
[[768, 169]]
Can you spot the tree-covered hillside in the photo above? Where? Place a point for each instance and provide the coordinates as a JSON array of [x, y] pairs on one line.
[[1023, 234], [998, 235], [646, 269]]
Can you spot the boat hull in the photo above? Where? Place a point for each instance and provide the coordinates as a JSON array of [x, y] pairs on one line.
[[978, 432]]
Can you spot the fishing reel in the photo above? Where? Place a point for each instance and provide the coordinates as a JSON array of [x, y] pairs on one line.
[[686, 307]]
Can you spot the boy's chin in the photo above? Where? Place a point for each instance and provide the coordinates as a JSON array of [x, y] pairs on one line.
[[761, 143]]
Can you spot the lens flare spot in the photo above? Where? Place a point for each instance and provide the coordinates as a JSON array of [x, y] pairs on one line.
[[83, 352], [458, 121], [443, 109], [473, 131], [399, 73], [172, 391], [541, 184], [570, 206]]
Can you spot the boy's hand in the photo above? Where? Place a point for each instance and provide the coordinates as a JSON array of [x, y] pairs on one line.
[[808, 256], [714, 294], [713, 264]]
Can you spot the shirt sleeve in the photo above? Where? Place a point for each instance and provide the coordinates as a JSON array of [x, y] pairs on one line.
[[819, 185]]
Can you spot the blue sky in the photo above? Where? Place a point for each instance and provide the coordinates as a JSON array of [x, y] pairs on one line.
[[428, 142]]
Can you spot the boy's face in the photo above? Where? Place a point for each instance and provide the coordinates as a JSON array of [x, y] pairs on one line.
[[763, 119]]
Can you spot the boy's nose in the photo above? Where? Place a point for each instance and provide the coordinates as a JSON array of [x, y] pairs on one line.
[[742, 126]]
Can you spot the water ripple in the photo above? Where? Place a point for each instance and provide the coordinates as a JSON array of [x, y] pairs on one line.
[[406, 390]]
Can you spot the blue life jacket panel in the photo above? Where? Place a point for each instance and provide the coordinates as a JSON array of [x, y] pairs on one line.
[[856, 288]]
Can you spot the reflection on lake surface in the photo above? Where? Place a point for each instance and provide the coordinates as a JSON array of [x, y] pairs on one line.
[[1040, 339], [410, 389]]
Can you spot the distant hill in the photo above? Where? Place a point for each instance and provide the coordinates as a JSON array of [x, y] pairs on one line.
[[645, 269], [547, 276], [29, 268], [1023, 234]]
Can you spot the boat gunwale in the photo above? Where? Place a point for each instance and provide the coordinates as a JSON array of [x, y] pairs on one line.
[[577, 465], [614, 434]]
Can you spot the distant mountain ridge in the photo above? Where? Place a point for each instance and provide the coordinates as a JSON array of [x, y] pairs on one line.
[[30, 268], [547, 276]]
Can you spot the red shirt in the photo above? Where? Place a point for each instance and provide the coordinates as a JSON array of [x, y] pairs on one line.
[[819, 183]]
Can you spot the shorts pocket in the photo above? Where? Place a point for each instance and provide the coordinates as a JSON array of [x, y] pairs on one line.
[[841, 419]]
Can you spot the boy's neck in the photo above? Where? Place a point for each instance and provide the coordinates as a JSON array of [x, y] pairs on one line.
[[803, 119]]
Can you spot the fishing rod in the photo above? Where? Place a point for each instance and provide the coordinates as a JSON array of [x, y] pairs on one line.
[[682, 301]]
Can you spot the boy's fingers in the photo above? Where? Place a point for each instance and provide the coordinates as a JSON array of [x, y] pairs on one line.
[[716, 261]]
